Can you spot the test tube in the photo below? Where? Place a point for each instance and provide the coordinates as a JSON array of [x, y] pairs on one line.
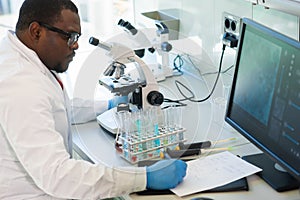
[[219, 108], [138, 118], [170, 115], [123, 118], [155, 126], [166, 119], [164, 138], [178, 117]]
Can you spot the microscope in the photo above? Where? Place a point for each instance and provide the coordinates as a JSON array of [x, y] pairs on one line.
[[126, 75], [163, 47], [140, 135], [161, 70]]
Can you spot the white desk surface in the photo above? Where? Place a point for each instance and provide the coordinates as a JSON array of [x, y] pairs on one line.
[[94, 144]]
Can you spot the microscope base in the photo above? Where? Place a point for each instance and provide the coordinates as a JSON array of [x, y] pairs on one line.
[[107, 121]]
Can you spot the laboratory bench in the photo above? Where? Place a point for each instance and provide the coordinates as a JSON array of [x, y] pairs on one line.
[[93, 143], [203, 121]]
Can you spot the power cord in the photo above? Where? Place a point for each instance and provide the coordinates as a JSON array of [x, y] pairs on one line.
[[229, 40], [214, 86], [222, 72], [179, 101]]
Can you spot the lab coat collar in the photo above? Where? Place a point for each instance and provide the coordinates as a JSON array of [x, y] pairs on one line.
[[29, 55], [26, 52]]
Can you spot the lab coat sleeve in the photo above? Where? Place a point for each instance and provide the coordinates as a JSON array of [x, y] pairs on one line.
[[82, 110], [29, 125]]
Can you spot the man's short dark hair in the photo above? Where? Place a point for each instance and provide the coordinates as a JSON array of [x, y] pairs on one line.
[[46, 11]]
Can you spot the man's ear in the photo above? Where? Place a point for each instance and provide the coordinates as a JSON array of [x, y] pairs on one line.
[[35, 31]]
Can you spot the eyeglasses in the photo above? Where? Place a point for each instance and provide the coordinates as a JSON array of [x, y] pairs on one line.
[[72, 37]]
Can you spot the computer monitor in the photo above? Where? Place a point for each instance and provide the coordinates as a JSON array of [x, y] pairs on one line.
[[264, 103]]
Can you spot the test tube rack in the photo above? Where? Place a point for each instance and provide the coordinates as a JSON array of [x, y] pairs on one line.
[[136, 148]]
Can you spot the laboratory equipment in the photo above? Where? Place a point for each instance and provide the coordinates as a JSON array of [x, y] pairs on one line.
[[139, 41], [146, 134], [141, 131], [264, 104], [163, 47], [141, 87], [159, 45]]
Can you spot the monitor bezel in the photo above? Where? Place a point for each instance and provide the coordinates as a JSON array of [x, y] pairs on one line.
[[271, 152]]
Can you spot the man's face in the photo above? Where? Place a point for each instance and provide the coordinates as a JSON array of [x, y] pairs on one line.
[[54, 50]]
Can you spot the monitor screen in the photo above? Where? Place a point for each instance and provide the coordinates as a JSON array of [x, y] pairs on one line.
[[264, 104]]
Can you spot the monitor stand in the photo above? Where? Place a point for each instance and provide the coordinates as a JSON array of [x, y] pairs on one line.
[[279, 180]]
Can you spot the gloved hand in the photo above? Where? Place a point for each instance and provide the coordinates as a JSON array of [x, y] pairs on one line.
[[165, 174], [115, 101]]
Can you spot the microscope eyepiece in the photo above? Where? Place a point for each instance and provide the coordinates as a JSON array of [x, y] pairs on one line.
[[93, 41], [96, 42], [121, 22], [126, 25]]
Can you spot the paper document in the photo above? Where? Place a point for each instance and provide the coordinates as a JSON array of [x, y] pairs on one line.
[[213, 171]]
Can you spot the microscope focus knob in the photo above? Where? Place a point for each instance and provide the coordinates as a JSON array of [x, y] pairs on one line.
[[155, 98]]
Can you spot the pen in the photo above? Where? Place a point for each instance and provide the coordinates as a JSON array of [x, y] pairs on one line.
[[196, 145], [182, 153], [193, 152], [202, 145], [224, 140]]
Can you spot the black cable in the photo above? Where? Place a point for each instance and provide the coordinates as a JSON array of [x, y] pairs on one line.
[[179, 101], [208, 73], [222, 72], [179, 104], [185, 97], [177, 64], [215, 84]]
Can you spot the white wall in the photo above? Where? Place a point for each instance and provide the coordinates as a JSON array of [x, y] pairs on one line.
[[203, 18]]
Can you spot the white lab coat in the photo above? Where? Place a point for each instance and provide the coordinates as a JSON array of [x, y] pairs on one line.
[[34, 158]]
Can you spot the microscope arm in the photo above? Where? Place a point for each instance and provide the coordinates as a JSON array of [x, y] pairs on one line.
[[122, 54]]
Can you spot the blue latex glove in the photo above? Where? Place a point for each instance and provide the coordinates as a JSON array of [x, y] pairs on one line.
[[115, 101], [165, 174]]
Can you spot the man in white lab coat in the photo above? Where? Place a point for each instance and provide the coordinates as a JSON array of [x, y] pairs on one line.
[[35, 155]]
